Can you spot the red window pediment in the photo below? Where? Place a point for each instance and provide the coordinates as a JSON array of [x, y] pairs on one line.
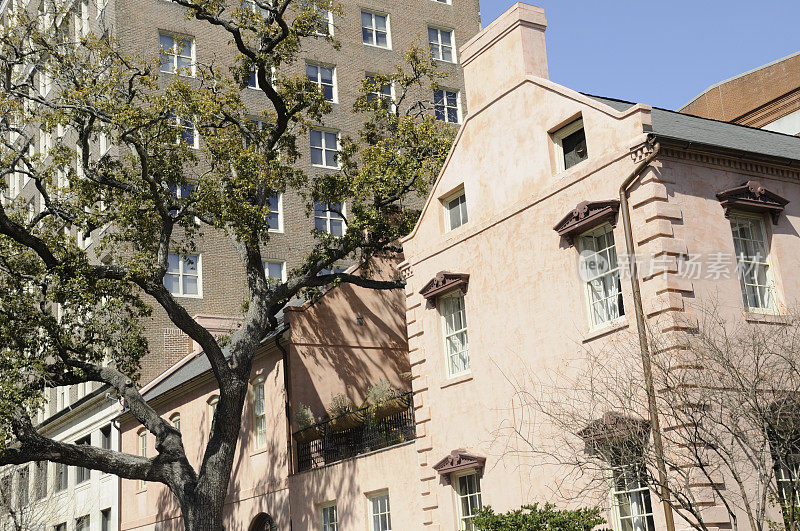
[[614, 430], [752, 196], [586, 216], [457, 461], [443, 282]]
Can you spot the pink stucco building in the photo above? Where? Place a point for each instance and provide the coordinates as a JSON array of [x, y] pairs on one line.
[[494, 291]]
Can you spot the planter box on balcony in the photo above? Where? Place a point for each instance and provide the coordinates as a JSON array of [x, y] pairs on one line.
[[391, 406], [307, 435], [347, 421]]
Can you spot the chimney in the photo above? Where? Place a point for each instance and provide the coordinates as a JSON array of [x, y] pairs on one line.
[[503, 53]]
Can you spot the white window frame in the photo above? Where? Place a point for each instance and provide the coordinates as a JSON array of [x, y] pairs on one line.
[[455, 481], [444, 105], [330, 526], [371, 514], [446, 200], [212, 408], [259, 428], [374, 29], [176, 37], [558, 138], [141, 448], [446, 2], [181, 274], [742, 265], [587, 288], [616, 517], [439, 43], [80, 470], [391, 94], [328, 218], [62, 397], [449, 356], [324, 148], [195, 133], [280, 214], [175, 420], [283, 269], [318, 82]]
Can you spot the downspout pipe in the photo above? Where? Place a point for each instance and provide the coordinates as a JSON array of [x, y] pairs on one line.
[[641, 328], [288, 411]]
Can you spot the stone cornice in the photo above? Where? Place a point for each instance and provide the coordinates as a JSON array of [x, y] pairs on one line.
[[745, 166]]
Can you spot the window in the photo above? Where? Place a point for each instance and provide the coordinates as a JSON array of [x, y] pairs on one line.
[[62, 475], [82, 389], [60, 527], [252, 80], [105, 520], [177, 54], [454, 317], [375, 29], [752, 257], [23, 486], [62, 397], [187, 132], [324, 148], [380, 517], [455, 209], [82, 20], [468, 491], [251, 5], [384, 91], [325, 21], [275, 270], [446, 106], [181, 192], [787, 474], [328, 518], [40, 479], [570, 144], [324, 77], [441, 43], [330, 271], [329, 217], [175, 420], [630, 498], [105, 437], [601, 274], [142, 447], [82, 523], [275, 223], [183, 275], [212, 408], [82, 474], [259, 415]]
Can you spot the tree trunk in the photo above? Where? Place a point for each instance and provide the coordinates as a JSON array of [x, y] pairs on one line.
[[202, 514]]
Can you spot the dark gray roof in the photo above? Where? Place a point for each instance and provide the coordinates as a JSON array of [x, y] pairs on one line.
[[199, 364], [694, 130]]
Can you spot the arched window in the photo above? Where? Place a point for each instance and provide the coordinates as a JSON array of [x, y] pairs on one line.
[[259, 414], [142, 448], [263, 522], [212, 407], [175, 420]]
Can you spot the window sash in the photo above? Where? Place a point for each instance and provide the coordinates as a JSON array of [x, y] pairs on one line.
[[324, 148], [445, 106], [603, 289], [468, 492], [183, 275], [380, 513], [375, 29], [753, 262], [324, 77], [177, 54], [259, 415], [329, 518], [457, 211], [441, 44], [327, 218], [456, 340], [632, 506]]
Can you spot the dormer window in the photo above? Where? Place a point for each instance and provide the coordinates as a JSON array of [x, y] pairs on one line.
[[570, 144]]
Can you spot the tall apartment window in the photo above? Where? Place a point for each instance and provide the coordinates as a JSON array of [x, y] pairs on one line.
[[23, 486], [183, 275], [441, 43], [275, 270], [105, 520], [752, 257], [259, 415], [456, 342], [328, 217], [40, 479], [142, 448], [445, 106], [82, 523], [62, 476], [175, 420], [328, 518], [325, 78], [212, 408], [380, 515], [455, 209], [177, 54], [468, 490], [105, 437], [631, 505], [601, 275], [375, 29], [384, 91], [570, 144], [187, 132], [82, 474], [275, 223], [324, 148]]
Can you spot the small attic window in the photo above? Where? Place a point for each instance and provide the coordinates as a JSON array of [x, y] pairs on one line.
[[570, 144]]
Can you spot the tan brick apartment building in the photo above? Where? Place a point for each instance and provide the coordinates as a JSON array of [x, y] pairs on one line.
[[767, 97]]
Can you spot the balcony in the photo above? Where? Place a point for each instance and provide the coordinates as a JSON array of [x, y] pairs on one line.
[[359, 432]]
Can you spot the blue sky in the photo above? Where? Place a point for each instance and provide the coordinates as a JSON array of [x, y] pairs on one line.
[[659, 53]]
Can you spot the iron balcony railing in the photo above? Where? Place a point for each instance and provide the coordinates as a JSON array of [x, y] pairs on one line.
[[363, 431]]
